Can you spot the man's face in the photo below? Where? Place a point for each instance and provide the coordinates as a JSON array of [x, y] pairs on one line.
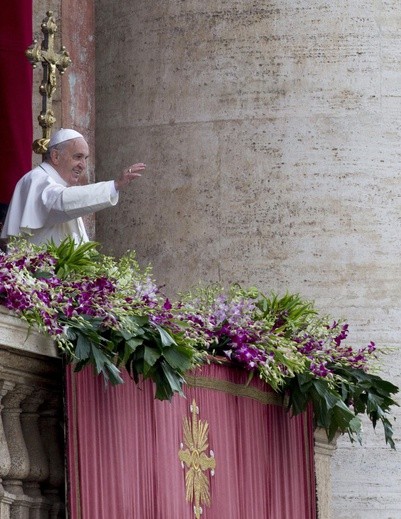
[[69, 160]]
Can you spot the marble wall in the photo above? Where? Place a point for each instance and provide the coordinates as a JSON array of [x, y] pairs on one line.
[[271, 131], [73, 101]]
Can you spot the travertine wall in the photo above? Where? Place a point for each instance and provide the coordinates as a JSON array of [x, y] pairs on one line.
[[74, 98], [272, 133], [73, 101]]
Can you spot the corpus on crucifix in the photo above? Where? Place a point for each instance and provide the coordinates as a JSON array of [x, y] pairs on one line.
[[52, 62]]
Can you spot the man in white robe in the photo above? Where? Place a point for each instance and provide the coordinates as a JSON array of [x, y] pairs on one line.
[[49, 204]]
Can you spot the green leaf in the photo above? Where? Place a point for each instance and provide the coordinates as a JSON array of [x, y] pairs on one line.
[[82, 349], [42, 274], [104, 365], [166, 382], [355, 429], [151, 355], [70, 333], [342, 416], [129, 334], [163, 388], [165, 337], [140, 321], [374, 402], [329, 396], [305, 381], [179, 358], [298, 402], [99, 358], [134, 342], [129, 348], [113, 373], [72, 257], [174, 379], [388, 432]]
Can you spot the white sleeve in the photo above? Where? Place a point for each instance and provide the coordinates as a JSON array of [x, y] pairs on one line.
[[66, 203], [38, 201]]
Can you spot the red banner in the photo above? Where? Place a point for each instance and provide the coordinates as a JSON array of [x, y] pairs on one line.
[[16, 130], [227, 451]]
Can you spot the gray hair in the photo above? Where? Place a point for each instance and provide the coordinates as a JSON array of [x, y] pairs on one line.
[[60, 146]]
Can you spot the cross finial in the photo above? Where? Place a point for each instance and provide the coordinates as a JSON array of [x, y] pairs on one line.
[[51, 62]]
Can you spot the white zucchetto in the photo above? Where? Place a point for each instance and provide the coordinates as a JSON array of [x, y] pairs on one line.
[[63, 135]]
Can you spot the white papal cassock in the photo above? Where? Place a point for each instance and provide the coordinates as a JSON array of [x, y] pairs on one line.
[[44, 208]]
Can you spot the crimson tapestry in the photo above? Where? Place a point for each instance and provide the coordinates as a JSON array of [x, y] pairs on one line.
[[16, 128], [227, 451]]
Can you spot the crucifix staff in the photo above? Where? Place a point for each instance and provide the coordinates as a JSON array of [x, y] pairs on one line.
[[51, 62]]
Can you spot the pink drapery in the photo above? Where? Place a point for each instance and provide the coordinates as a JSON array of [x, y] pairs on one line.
[[15, 94], [123, 447]]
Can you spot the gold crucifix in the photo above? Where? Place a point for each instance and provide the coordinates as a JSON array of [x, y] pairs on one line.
[[51, 62]]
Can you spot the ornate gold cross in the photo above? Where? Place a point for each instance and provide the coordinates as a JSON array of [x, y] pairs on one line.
[[196, 460], [51, 61]]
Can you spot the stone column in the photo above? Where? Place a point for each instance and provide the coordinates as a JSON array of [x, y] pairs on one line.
[[6, 499], [19, 466], [38, 462], [324, 451], [52, 430], [271, 130], [5, 459]]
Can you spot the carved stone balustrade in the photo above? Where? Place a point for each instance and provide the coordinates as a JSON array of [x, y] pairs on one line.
[[31, 424], [32, 432]]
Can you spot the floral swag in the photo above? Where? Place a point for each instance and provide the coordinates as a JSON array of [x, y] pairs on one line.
[[109, 313]]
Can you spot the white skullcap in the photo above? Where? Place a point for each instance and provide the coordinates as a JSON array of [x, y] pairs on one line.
[[63, 135]]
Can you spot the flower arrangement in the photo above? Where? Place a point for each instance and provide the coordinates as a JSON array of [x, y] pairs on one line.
[[110, 313]]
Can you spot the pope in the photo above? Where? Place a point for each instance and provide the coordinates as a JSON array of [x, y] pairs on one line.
[[49, 204]]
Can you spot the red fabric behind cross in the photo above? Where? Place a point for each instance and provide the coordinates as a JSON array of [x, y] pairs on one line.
[[123, 451], [16, 129]]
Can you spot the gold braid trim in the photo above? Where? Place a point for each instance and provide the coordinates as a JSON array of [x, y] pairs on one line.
[[232, 388]]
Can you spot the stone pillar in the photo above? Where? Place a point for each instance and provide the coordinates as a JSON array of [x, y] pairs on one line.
[[38, 461], [324, 451], [52, 431], [19, 466], [5, 459], [38, 467], [271, 131]]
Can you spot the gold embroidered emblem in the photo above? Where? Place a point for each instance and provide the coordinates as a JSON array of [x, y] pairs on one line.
[[197, 461]]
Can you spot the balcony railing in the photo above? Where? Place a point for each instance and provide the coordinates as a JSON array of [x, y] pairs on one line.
[[31, 424], [32, 476]]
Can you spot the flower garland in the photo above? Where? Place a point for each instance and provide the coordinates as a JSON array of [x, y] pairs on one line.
[[111, 314]]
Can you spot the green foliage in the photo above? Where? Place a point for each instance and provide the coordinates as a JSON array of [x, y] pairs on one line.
[[91, 347], [336, 407], [72, 258], [143, 349], [287, 314]]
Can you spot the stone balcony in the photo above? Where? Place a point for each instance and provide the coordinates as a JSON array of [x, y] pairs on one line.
[[31, 424], [32, 430]]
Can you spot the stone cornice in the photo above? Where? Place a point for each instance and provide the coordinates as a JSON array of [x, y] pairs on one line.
[[15, 334]]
